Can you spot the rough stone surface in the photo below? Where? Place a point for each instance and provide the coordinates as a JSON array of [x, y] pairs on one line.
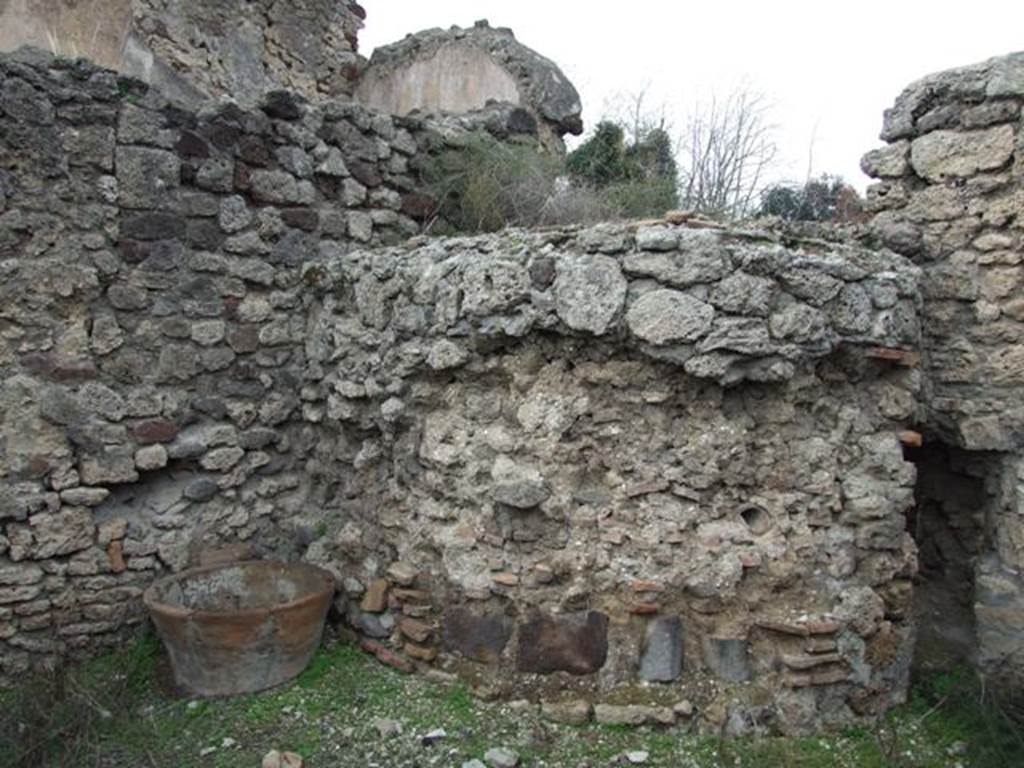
[[662, 657], [482, 638], [633, 714], [501, 757], [727, 657], [590, 292], [573, 712], [462, 70], [942, 155], [276, 759], [495, 450], [575, 644], [201, 48], [669, 317], [958, 214]]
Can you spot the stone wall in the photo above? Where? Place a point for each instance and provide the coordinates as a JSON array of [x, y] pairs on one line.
[[153, 317], [240, 50], [579, 460], [559, 463], [951, 196], [192, 50]]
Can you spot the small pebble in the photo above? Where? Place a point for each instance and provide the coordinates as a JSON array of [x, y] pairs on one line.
[[683, 708], [275, 759], [501, 757], [434, 736], [637, 758], [386, 727]]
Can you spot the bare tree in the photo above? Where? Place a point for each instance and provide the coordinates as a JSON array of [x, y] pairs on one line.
[[632, 111], [725, 151]]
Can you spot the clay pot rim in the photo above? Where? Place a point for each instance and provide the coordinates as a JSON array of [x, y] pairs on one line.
[[149, 598]]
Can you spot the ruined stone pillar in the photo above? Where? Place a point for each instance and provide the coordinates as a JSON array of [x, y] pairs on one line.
[[950, 195]]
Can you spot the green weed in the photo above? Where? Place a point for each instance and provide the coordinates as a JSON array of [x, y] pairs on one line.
[[114, 712]]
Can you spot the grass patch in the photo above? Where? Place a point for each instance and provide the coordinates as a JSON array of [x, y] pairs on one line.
[[119, 711]]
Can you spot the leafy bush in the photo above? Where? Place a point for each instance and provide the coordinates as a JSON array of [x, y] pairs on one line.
[[638, 177], [487, 184], [601, 159]]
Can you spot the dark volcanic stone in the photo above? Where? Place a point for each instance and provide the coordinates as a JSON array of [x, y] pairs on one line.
[[200, 489], [258, 438], [68, 373], [222, 135], [153, 226], [155, 431], [522, 122], [192, 145], [576, 643], [174, 115], [253, 151], [292, 248], [127, 297], [133, 251], [301, 218], [243, 177], [283, 105], [243, 389], [523, 494], [244, 339], [204, 234], [365, 173], [73, 373], [727, 658], [213, 407], [481, 638], [418, 205], [164, 256], [542, 272], [662, 658]]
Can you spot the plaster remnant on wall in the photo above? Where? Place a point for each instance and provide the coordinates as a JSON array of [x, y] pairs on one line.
[[463, 70]]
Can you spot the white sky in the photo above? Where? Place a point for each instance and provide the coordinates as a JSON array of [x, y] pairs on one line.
[[829, 67]]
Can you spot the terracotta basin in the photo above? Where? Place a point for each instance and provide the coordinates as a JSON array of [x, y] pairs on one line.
[[241, 627]]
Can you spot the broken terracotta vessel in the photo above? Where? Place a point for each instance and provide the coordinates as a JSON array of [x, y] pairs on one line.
[[243, 627]]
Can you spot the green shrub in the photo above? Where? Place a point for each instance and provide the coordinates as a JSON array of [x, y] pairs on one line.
[[488, 184], [638, 178], [641, 198]]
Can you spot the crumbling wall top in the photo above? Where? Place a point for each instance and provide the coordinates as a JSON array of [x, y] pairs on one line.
[[933, 99], [949, 196], [428, 71]]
